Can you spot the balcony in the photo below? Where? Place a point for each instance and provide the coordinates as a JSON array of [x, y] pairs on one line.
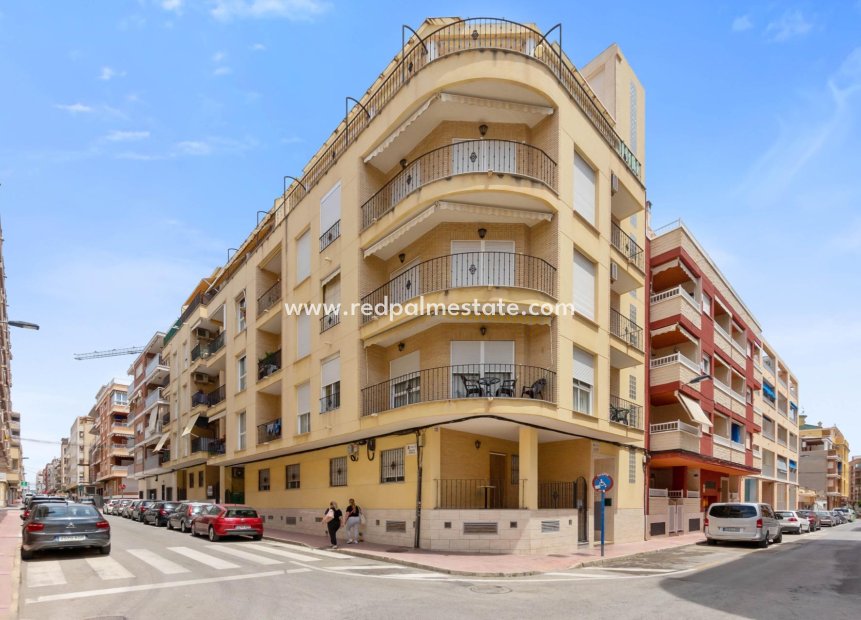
[[151, 462], [468, 157], [122, 428], [153, 398], [268, 299], [624, 328], [469, 269], [629, 248], [329, 321], [673, 368], [119, 451], [328, 237], [478, 494], [157, 369], [269, 364], [209, 445], [203, 350], [165, 419], [675, 302], [216, 396], [464, 381], [269, 431], [625, 412], [675, 435]]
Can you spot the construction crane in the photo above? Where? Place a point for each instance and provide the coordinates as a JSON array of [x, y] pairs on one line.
[[41, 440], [110, 353]]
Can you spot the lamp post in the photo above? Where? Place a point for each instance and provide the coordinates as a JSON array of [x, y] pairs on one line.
[[21, 324], [698, 379]]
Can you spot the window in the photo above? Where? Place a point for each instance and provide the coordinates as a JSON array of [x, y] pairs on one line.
[[185, 354], [330, 214], [632, 314], [331, 302], [706, 364], [331, 384], [584, 380], [338, 472], [190, 480], [120, 398], [303, 408], [240, 432], [584, 286], [472, 360], [263, 480], [707, 304], [632, 466], [584, 189], [736, 433], [303, 335], [303, 257], [515, 469], [292, 476], [632, 387], [392, 465], [241, 313], [241, 379], [200, 478]]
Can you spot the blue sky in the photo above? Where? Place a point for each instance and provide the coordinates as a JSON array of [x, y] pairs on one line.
[[138, 140]]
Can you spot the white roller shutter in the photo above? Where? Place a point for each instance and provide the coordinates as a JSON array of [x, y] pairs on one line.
[[330, 208], [303, 335], [303, 398], [584, 366], [584, 285], [303, 257], [584, 189], [404, 365], [498, 351], [465, 352], [331, 371]]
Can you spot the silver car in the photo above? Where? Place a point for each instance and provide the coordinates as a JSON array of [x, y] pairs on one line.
[[791, 521], [64, 526], [743, 522]]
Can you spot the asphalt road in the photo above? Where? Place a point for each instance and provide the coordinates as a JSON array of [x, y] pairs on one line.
[[156, 573]]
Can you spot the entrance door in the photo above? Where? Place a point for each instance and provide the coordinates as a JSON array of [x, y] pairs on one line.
[[724, 489], [496, 492]]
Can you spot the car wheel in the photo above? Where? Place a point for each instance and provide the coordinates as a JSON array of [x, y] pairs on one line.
[[257, 537], [762, 544], [711, 541], [213, 537], [106, 550], [26, 555], [778, 539], [169, 526], [182, 527]]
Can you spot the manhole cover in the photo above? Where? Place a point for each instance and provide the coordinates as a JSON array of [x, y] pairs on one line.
[[490, 589]]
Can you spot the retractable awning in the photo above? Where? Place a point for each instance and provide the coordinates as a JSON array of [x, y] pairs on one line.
[[191, 422], [153, 420], [695, 411], [161, 442], [768, 390]]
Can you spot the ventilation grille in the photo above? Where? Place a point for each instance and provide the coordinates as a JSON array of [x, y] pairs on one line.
[[290, 520], [396, 526], [658, 529], [694, 525], [548, 527], [480, 528]]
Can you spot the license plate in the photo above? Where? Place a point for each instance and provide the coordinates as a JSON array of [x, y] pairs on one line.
[[70, 538], [731, 529], [243, 527]]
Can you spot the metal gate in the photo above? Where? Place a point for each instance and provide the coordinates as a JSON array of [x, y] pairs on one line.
[[675, 523], [580, 503]]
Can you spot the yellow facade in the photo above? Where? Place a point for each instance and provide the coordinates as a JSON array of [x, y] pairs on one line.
[[825, 464], [455, 185]]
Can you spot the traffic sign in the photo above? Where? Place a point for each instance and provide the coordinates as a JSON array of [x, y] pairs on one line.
[[602, 482]]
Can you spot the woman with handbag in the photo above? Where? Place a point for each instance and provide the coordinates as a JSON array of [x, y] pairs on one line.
[[332, 520], [354, 519]]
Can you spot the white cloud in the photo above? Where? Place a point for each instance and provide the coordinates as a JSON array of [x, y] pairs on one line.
[[219, 57], [174, 6], [194, 147], [74, 108], [790, 25], [126, 136], [742, 23], [109, 74], [257, 47], [222, 71], [293, 10]]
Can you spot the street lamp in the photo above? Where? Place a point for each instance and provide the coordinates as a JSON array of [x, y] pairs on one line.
[[21, 324], [698, 379]]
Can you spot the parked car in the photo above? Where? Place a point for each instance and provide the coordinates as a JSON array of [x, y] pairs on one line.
[[182, 517], [52, 525], [108, 506], [141, 508], [848, 513], [220, 520], [41, 499], [120, 506], [790, 521], [838, 517], [812, 518], [825, 518], [742, 522], [158, 513], [88, 500], [128, 511]]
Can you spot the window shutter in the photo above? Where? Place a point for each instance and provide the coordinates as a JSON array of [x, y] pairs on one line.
[[303, 335], [584, 285], [303, 398], [584, 189], [584, 366], [330, 208], [499, 352], [331, 371], [303, 257]]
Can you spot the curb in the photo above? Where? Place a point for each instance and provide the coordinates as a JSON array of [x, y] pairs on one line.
[[16, 582], [603, 561]]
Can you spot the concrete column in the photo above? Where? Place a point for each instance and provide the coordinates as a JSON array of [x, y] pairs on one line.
[[3, 488], [431, 467], [529, 466]]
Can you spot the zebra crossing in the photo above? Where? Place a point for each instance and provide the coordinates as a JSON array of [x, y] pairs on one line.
[[185, 561]]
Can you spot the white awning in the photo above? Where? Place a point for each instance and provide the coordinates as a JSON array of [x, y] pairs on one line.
[[670, 264], [217, 416], [153, 419], [663, 330], [190, 425], [161, 442], [694, 410], [452, 211]]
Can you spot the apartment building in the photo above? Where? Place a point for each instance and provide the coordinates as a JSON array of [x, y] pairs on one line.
[[855, 481], [110, 456], [77, 478], [11, 463], [702, 381], [480, 166], [776, 411], [64, 455], [824, 463], [149, 413]]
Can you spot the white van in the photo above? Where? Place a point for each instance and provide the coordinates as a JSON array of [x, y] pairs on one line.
[[742, 521]]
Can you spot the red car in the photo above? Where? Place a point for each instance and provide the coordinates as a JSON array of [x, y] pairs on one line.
[[227, 520]]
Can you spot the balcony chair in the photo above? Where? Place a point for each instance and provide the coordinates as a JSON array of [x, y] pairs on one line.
[[507, 388], [619, 414], [536, 390], [471, 386]]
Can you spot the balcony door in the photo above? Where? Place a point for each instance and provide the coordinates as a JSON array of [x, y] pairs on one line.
[[480, 367], [482, 263], [405, 380]]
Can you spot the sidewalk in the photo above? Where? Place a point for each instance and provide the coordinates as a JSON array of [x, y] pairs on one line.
[[10, 535], [486, 565]]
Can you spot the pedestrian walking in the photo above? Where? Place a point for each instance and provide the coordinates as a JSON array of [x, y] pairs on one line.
[[354, 519], [333, 518]]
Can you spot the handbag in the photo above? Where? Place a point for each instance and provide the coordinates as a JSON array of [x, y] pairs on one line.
[[362, 519], [330, 514]]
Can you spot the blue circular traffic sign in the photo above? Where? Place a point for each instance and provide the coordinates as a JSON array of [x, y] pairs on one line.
[[602, 482]]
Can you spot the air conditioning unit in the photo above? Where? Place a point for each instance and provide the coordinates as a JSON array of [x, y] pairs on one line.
[[614, 183], [202, 377], [614, 272], [352, 449], [202, 333]]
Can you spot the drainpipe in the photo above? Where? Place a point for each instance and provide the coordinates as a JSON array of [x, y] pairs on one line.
[[419, 442]]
